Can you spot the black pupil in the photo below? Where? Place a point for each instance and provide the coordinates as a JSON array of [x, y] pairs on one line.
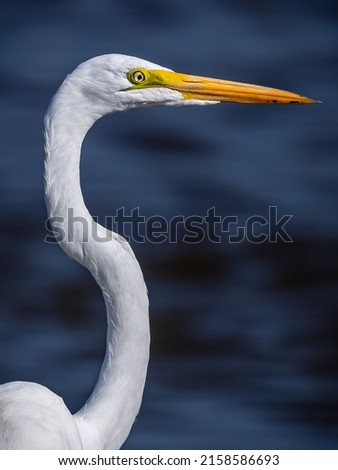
[[138, 76]]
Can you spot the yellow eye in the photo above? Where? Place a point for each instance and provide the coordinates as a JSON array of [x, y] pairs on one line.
[[137, 76]]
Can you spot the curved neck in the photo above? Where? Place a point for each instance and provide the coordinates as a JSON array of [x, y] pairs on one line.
[[106, 418]]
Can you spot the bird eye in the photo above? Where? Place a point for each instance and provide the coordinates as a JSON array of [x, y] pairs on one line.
[[137, 76]]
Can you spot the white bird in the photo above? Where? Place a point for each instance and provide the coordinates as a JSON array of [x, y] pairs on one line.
[[31, 416]]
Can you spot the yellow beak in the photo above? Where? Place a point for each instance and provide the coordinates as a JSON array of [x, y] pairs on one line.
[[212, 89]]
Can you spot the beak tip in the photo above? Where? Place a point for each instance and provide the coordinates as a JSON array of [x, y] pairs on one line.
[[307, 100], [303, 100]]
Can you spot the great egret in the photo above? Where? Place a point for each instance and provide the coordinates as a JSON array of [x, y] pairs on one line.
[[31, 416]]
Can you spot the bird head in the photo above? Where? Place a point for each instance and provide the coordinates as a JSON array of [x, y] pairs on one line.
[[116, 82]]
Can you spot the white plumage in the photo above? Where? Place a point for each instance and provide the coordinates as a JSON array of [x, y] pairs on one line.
[[31, 416], [28, 410]]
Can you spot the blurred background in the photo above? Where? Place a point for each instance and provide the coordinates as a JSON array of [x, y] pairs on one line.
[[244, 336]]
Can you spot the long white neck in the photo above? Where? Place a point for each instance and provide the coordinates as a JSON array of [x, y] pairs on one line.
[[106, 418]]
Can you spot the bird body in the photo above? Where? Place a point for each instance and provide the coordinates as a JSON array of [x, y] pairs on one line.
[[31, 416]]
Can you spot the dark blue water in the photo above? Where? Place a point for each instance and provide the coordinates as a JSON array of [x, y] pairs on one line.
[[244, 351]]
